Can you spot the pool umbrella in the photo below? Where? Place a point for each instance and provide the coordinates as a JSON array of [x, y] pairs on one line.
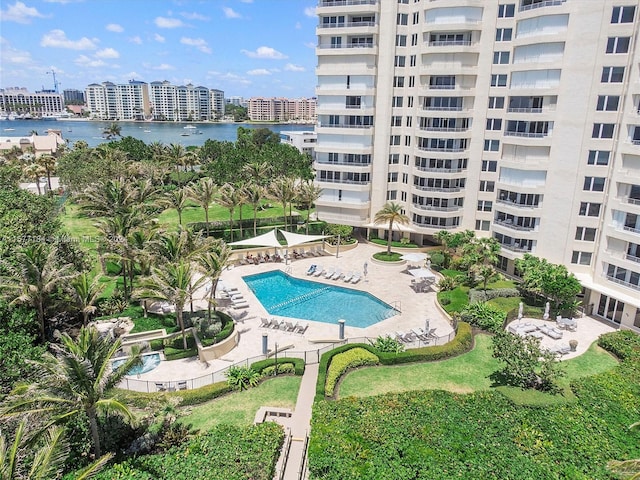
[[416, 257], [547, 307], [422, 273]]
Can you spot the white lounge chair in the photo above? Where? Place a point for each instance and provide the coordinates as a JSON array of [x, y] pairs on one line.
[[289, 327], [347, 277], [337, 274], [329, 273], [356, 278], [264, 322], [240, 305], [302, 328], [318, 271], [312, 269]]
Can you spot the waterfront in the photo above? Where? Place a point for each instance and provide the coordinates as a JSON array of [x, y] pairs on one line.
[[165, 132]]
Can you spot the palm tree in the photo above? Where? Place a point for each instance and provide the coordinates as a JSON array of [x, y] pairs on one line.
[[283, 190], [254, 194], [203, 194], [48, 164], [212, 263], [242, 200], [176, 155], [113, 130], [85, 292], [391, 213], [181, 245], [37, 276], [258, 172], [228, 198], [33, 172], [76, 380], [627, 469], [175, 283], [308, 193], [178, 199]]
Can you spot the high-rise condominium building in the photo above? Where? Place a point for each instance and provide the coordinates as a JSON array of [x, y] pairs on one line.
[[21, 101], [185, 103], [73, 96], [110, 101], [517, 119], [281, 109]]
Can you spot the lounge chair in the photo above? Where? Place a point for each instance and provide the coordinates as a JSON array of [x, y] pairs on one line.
[[264, 322], [236, 296], [312, 269], [347, 277], [302, 328], [289, 327], [420, 333], [182, 385], [554, 333], [337, 274], [276, 324], [240, 305], [356, 278], [404, 337], [329, 273], [318, 271]]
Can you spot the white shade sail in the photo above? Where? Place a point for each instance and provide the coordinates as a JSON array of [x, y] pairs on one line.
[[268, 239], [294, 239], [414, 257], [422, 273]]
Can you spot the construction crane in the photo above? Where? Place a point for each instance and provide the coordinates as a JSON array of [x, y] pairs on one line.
[[55, 82]]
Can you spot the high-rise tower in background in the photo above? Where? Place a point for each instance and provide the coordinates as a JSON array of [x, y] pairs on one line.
[[519, 120]]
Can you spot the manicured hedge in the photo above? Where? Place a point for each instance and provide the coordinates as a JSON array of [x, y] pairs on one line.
[[356, 357], [476, 295], [298, 363], [187, 397], [624, 344]]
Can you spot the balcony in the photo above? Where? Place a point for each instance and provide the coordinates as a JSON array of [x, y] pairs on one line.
[[440, 170], [544, 3], [516, 247], [525, 110], [433, 208], [513, 226], [439, 189], [511, 203], [444, 129], [525, 134], [451, 43], [342, 125], [631, 258], [343, 3], [343, 181], [444, 150], [347, 45], [443, 109], [435, 227], [347, 24], [624, 283]]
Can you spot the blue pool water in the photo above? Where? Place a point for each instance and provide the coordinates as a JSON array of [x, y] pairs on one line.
[[149, 362], [286, 296]]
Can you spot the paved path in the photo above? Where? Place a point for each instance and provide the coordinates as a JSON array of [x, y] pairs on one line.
[[301, 421]]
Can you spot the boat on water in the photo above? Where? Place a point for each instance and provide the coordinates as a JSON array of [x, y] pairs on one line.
[[185, 134], [9, 129], [190, 127], [147, 131]]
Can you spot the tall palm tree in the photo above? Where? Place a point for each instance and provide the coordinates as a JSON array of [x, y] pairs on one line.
[[242, 200], [212, 263], [35, 278], [254, 194], [85, 291], [181, 245], [33, 172], [203, 194], [307, 194], [258, 172], [76, 380], [175, 283], [228, 198], [176, 155], [391, 213], [112, 131], [178, 199], [48, 164], [283, 190]]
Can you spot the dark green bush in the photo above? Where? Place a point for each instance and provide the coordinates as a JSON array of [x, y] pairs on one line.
[[156, 345], [298, 363], [482, 296], [187, 397], [174, 350], [483, 316], [624, 344]]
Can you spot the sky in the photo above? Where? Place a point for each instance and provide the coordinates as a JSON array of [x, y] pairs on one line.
[[243, 47]]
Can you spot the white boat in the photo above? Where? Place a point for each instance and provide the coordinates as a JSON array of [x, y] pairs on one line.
[[190, 126], [147, 131], [9, 129]]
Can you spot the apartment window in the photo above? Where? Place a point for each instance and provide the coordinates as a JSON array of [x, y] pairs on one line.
[[398, 81], [593, 184], [392, 194], [396, 102], [402, 19], [396, 121], [500, 58], [483, 225], [496, 102], [407, 141], [399, 61], [406, 2], [602, 130], [333, 157], [507, 10], [491, 145], [416, 18], [494, 124], [401, 40], [588, 209], [608, 103], [581, 258], [392, 177], [444, 81], [410, 102], [598, 157], [394, 140], [409, 121], [394, 158], [503, 34], [403, 197], [623, 14], [405, 178], [485, 205], [586, 234], [489, 166], [618, 44], [487, 186], [498, 80], [412, 61], [612, 74], [405, 160], [412, 81], [414, 39], [353, 101]]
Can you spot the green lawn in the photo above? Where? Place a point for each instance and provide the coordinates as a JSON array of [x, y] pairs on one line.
[[464, 374], [239, 408]]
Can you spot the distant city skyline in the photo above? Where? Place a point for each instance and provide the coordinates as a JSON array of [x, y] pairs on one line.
[[243, 47]]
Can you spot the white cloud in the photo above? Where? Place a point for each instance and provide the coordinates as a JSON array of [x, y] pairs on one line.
[[310, 11], [259, 71], [230, 13], [12, 55], [199, 43], [114, 27], [158, 38], [85, 61], [165, 22], [265, 52], [63, 1], [246, 1], [57, 38], [310, 45], [19, 13], [194, 16], [107, 53], [137, 40], [294, 68], [163, 66]]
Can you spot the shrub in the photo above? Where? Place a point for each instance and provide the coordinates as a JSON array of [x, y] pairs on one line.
[[624, 344], [437, 259], [383, 257], [355, 357], [185, 397], [484, 316], [387, 344], [283, 368], [240, 378], [445, 301], [156, 345], [482, 296], [298, 364], [447, 283], [173, 348]]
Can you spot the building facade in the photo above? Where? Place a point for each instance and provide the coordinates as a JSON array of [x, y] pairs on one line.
[[516, 119], [73, 96], [22, 102], [303, 140], [185, 103], [262, 109], [110, 101]]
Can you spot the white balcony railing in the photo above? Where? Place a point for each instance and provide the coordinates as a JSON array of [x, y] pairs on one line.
[[443, 109], [440, 170], [439, 189], [621, 282], [446, 150], [517, 205], [513, 226], [343, 125], [437, 209], [342, 3], [525, 134], [546, 3], [451, 43], [347, 24], [445, 129]]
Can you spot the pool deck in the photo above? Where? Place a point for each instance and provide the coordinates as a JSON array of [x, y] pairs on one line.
[[387, 282]]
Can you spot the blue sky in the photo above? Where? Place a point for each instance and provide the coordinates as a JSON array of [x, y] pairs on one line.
[[244, 47]]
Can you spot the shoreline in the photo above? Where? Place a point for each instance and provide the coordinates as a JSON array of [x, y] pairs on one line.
[[156, 122]]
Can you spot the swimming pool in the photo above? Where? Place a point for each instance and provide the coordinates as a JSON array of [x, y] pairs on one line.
[[149, 362], [283, 295]]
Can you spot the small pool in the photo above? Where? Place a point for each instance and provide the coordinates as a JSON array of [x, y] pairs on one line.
[[149, 362], [286, 296]]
